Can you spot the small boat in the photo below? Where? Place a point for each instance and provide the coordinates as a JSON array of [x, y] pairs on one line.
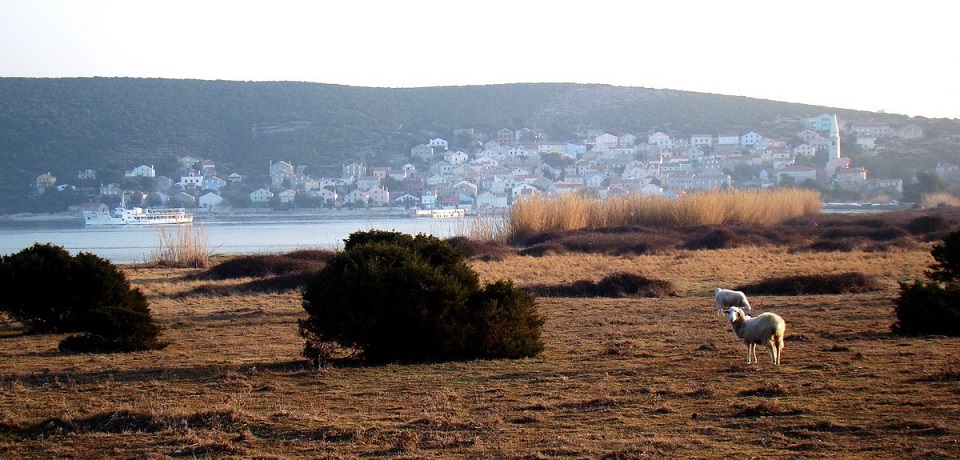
[[439, 213], [138, 216]]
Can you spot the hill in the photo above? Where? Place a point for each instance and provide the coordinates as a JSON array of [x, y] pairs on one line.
[[65, 125]]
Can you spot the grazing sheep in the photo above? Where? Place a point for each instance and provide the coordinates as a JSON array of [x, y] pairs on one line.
[[727, 298], [766, 329]]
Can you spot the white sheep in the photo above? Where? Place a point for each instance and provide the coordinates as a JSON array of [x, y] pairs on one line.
[[727, 298], [766, 329]]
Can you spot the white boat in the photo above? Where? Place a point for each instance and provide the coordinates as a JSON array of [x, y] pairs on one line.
[[438, 213], [138, 216]]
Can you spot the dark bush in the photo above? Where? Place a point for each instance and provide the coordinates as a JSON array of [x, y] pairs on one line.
[[115, 329], [264, 265], [616, 285], [481, 250], [927, 308], [597, 242], [946, 255], [927, 224], [720, 238], [389, 296], [838, 283], [49, 291], [933, 307], [841, 245]]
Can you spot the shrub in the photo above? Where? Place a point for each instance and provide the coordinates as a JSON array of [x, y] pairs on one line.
[[47, 290], [616, 285], [263, 265], [389, 296], [485, 250], [927, 224], [927, 308], [720, 238], [933, 307], [835, 283], [947, 257]]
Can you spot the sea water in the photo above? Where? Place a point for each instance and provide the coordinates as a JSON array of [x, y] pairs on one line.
[[140, 243]]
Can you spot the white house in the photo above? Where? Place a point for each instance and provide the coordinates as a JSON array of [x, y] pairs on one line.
[[750, 139], [357, 197], [279, 171], [287, 196], [804, 150], [353, 170], [490, 201], [439, 144], [728, 139], [191, 181], [456, 158], [799, 173], [324, 194], [701, 140], [422, 151], [379, 196], [213, 183], [261, 196], [522, 190], [210, 201], [141, 171], [661, 140], [606, 140]]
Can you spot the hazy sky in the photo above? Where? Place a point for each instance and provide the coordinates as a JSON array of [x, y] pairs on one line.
[[900, 57]]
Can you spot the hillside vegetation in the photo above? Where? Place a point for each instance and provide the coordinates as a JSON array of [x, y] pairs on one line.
[[111, 124]]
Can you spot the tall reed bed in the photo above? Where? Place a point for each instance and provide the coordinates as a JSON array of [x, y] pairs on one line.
[[541, 213], [184, 248]]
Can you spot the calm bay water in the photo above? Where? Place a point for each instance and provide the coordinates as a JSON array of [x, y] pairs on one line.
[[131, 244]]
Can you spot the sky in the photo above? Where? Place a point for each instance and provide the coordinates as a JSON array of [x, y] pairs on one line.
[[897, 57]]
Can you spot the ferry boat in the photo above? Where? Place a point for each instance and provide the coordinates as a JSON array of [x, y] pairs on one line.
[[138, 216]]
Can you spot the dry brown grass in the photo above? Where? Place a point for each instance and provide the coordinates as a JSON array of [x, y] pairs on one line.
[[542, 213], [185, 248], [620, 378]]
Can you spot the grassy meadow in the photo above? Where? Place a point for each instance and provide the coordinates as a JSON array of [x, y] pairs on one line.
[[621, 377]]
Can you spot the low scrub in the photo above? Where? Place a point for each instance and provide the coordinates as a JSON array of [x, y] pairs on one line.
[[616, 285], [49, 291], [927, 308], [837, 283], [932, 306], [633, 242], [485, 250], [265, 265], [389, 296]]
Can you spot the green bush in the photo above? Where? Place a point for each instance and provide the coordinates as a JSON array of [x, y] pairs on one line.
[[48, 291], [928, 308], [947, 257], [933, 307], [389, 296]]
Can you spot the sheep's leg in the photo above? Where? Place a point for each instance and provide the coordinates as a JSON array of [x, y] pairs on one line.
[[751, 353]]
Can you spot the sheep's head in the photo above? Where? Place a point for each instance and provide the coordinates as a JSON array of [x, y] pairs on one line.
[[716, 291], [734, 314]]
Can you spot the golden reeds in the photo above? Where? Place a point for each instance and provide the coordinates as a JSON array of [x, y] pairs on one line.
[[542, 213], [186, 248]]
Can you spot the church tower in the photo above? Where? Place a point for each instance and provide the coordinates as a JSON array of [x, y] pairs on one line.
[[835, 161]]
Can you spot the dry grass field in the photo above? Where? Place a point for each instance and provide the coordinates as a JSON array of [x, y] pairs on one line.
[[621, 378]]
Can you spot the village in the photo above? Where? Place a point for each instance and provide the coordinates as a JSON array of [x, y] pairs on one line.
[[502, 169]]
